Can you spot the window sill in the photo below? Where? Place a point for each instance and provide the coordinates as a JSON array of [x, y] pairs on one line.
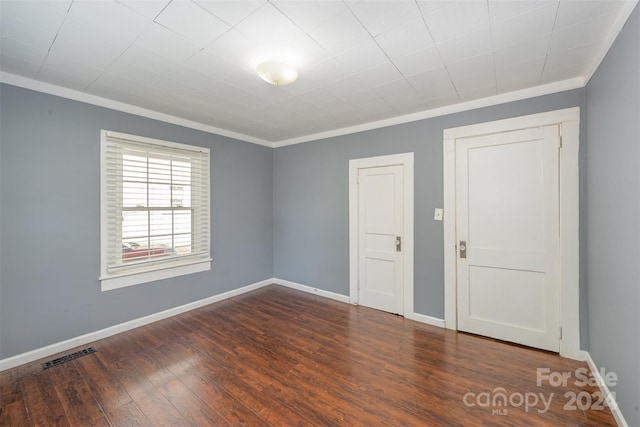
[[117, 281]]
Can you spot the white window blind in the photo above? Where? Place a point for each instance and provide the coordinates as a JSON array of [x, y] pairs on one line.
[[155, 209]]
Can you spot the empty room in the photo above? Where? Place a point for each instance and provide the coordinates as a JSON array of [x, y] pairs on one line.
[[320, 212]]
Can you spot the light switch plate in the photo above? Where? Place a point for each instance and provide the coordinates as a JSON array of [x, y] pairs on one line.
[[437, 214]]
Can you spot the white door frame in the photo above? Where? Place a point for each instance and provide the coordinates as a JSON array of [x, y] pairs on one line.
[[406, 160], [569, 121]]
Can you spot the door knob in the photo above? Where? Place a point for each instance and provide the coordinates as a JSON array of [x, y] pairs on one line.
[[463, 248]]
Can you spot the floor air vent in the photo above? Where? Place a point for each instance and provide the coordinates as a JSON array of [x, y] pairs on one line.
[[60, 360]]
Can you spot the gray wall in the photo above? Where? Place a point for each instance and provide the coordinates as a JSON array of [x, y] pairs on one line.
[[50, 163], [311, 197], [613, 216], [50, 220]]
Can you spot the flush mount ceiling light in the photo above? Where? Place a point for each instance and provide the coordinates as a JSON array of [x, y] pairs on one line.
[[277, 73]]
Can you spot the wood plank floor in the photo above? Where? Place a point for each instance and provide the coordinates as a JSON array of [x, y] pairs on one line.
[[281, 357]]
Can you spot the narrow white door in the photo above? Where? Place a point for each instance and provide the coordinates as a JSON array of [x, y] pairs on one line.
[[507, 227], [380, 238]]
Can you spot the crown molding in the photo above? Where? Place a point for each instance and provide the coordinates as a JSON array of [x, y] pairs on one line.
[[75, 95], [503, 98], [51, 89]]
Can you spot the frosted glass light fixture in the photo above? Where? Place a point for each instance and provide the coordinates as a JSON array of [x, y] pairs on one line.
[[277, 73]]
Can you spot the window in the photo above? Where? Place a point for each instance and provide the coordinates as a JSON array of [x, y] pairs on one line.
[[154, 210]]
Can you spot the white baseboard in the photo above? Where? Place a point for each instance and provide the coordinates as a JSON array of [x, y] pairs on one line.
[[59, 347], [52, 349], [609, 397], [422, 318], [312, 290], [434, 321]]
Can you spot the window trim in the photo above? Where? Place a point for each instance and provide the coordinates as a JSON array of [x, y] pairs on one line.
[[152, 271]]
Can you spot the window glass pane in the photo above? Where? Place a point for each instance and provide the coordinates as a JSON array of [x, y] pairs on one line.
[[160, 247], [182, 243], [159, 170], [181, 197], [160, 223], [182, 222], [135, 230], [134, 253], [181, 173], [135, 226], [134, 194], [134, 168], [159, 195]]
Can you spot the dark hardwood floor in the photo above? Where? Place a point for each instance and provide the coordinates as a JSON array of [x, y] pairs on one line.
[[281, 357]]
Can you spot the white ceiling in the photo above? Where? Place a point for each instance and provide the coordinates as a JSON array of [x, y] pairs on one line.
[[358, 61]]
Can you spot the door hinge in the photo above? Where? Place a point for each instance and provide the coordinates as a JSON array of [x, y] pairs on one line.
[[560, 332], [560, 141]]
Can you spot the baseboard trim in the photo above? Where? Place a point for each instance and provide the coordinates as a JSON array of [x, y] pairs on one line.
[[609, 397], [52, 349], [422, 318], [40, 353], [433, 321], [312, 290]]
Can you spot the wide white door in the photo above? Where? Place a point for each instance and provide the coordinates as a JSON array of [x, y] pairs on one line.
[[507, 229], [380, 238]]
